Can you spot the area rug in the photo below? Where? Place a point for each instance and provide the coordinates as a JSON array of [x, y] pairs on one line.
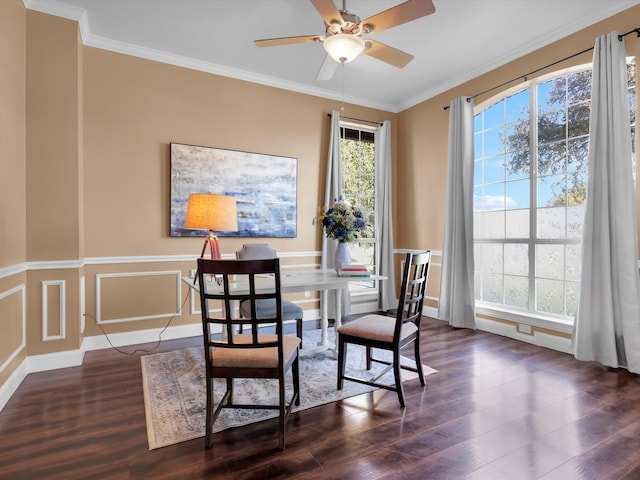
[[175, 393]]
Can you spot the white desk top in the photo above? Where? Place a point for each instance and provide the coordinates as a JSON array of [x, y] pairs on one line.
[[295, 281]]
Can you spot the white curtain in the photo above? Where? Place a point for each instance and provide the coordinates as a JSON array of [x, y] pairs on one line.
[[334, 189], [384, 217], [457, 303], [607, 326]]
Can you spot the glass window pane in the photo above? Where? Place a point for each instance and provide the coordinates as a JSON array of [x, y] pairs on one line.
[[551, 158], [550, 296], [493, 197], [517, 223], [494, 115], [477, 285], [477, 172], [552, 94], [552, 126], [571, 298], [575, 221], [516, 291], [477, 122], [492, 257], [579, 86], [494, 169], [493, 142], [552, 190], [550, 261], [493, 224], [517, 107], [477, 145], [492, 287], [478, 200], [517, 194], [578, 123], [518, 164], [577, 188], [572, 259], [516, 259], [551, 222], [478, 230], [578, 154]]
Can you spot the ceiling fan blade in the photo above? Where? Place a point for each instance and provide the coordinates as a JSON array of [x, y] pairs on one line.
[[328, 11], [327, 69], [388, 54], [273, 42], [403, 13]]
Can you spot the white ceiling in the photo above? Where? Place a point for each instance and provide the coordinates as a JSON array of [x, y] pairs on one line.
[[461, 40]]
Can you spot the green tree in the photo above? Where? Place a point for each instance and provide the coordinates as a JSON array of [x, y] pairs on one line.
[[358, 163], [563, 134]]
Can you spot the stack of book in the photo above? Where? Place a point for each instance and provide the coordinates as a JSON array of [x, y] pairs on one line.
[[353, 270]]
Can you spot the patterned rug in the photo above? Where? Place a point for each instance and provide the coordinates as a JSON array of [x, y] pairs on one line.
[[175, 394]]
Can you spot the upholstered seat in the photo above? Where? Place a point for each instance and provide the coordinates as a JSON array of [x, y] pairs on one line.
[[390, 333], [377, 327], [255, 358]]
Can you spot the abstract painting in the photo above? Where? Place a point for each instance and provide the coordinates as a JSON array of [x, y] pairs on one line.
[[264, 186]]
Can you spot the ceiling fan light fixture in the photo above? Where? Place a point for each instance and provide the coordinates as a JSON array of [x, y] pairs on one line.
[[344, 47]]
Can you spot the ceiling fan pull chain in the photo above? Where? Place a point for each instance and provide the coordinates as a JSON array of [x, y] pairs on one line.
[[342, 108]]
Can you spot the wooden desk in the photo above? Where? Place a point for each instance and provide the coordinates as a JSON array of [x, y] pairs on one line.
[[303, 281]]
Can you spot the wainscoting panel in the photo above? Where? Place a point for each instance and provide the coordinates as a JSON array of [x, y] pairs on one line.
[[135, 296], [13, 321], [53, 297]]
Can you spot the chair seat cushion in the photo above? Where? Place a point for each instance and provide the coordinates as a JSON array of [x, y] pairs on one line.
[[267, 308], [376, 327], [255, 357]]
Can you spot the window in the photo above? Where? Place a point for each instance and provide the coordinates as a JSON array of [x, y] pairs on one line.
[[357, 148], [530, 181]]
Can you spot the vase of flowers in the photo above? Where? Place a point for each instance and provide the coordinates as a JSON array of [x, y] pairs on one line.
[[343, 222]]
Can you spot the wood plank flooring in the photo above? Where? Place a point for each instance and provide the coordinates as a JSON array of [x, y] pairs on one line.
[[497, 409]]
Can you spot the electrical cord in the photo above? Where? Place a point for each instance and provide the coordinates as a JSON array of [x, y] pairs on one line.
[[139, 350]]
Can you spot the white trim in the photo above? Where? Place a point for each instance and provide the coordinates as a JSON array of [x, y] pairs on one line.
[[44, 296], [175, 312], [121, 339], [553, 342], [83, 306], [13, 269], [526, 318], [22, 289], [9, 387]]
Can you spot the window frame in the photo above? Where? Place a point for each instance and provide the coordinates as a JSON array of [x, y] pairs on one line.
[[529, 314]]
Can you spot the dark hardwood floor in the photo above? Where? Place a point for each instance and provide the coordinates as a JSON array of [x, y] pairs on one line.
[[497, 409]]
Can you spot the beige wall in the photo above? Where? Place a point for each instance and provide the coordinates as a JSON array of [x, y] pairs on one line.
[[85, 136], [13, 244]]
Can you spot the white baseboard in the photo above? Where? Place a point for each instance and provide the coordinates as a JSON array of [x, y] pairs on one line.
[[73, 358], [11, 385], [553, 342]]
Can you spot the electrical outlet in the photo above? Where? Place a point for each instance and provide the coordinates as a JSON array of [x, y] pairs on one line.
[[307, 294], [523, 328]]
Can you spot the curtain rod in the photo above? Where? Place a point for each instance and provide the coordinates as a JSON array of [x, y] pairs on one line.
[[620, 37], [359, 120]]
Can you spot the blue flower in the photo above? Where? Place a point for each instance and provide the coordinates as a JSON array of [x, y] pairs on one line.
[[342, 221]]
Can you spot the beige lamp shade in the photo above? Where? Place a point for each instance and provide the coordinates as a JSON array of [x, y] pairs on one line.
[[208, 211]]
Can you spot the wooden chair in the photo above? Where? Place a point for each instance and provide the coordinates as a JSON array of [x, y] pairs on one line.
[[388, 333], [265, 308], [250, 355]]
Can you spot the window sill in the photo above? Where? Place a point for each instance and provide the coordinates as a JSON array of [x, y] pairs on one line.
[[557, 324]]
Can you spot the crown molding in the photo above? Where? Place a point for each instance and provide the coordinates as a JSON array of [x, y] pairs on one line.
[[79, 14]]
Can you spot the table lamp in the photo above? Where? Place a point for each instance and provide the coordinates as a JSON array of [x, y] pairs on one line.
[[208, 211]]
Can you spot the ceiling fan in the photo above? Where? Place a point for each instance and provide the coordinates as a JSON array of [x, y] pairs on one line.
[[344, 30]]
